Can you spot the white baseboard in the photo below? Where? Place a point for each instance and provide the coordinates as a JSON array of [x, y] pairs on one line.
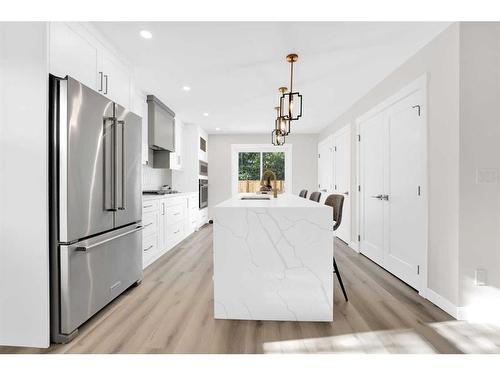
[[462, 313], [354, 245], [443, 303]]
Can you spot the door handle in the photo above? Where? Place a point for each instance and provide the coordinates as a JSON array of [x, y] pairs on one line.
[[379, 196], [87, 248], [346, 193], [109, 178], [100, 82], [106, 80], [122, 123], [384, 197]]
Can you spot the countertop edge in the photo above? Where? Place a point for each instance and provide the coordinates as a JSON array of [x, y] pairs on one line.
[[147, 197]]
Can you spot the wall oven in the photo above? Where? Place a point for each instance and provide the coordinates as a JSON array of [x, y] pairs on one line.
[[203, 193]]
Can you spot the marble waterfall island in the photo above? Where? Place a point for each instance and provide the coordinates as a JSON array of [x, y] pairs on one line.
[[273, 259]]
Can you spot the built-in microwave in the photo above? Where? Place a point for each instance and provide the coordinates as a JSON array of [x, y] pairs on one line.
[[203, 170]]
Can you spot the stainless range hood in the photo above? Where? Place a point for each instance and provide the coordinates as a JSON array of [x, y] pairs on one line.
[[161, 132]]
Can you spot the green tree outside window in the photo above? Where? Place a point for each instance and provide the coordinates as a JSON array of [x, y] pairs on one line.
[[274, 161]]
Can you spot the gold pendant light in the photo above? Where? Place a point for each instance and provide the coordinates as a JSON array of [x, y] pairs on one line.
[[291, 102], [277, 136], [281, 122]]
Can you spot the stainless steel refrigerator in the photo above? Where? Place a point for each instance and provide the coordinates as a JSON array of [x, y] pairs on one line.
[[95, 203]]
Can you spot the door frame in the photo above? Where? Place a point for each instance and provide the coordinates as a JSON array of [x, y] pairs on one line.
[[419, 84]]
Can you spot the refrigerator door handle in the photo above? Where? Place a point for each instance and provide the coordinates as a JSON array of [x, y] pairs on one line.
[[109, 177], [87, 248], [122, 162]]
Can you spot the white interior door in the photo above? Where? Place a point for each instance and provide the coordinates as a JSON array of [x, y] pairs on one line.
[[342, 179], [406, 238], [325, 166], [373, 153], [392, 171]]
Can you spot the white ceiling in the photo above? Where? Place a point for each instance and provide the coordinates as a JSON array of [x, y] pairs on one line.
[[234, 69]]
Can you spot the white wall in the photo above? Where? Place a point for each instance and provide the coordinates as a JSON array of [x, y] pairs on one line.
[[304, 162], [24, 250], [480, 150], [440, 59]]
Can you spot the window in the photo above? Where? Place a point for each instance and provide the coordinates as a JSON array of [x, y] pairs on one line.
[[251, 161]]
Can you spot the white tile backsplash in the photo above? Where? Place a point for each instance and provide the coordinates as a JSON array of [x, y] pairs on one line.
[[153, 178]]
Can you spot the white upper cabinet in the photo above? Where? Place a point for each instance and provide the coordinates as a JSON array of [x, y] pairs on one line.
[[116, 79], [140, 107], [176, 158], [75, 51], [72, 54]]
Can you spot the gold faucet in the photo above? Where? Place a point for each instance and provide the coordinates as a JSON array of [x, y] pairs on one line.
[[266, 180]]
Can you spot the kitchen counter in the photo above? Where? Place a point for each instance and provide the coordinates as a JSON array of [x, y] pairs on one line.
[[146, 197], [273, 259]]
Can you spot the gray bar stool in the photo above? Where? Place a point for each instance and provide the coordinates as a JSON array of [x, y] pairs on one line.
[[336, 201], [315, 196]]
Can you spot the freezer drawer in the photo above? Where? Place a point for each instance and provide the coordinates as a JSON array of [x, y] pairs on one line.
[[95, 271]]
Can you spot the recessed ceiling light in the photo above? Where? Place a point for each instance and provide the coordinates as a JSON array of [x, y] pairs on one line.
[[217, 129], [186, 88], [205, 114], [146, 34]]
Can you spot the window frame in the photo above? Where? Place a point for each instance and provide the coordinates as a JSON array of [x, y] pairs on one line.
[[260, 148]]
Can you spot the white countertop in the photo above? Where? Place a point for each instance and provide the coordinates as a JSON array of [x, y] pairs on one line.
[[282, 201], [146, 197]]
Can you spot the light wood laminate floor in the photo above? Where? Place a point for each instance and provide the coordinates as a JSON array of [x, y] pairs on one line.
[[172, 312]]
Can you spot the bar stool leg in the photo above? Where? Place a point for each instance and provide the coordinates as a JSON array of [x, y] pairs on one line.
[[336, 271]]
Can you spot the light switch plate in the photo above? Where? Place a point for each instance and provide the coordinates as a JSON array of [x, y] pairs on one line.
[[487, 176], [481, 277]]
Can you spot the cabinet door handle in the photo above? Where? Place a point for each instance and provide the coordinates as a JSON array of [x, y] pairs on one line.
[[176, 232], [148, 248], [100, 81], [106, 79], [177, 213], [147, 225], [149, 205]]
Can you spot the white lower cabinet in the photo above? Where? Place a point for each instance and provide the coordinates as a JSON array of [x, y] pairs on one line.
[[193, 213], [203, 217], [167, 221], [162, 215], [149, 249], [175, 220]]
